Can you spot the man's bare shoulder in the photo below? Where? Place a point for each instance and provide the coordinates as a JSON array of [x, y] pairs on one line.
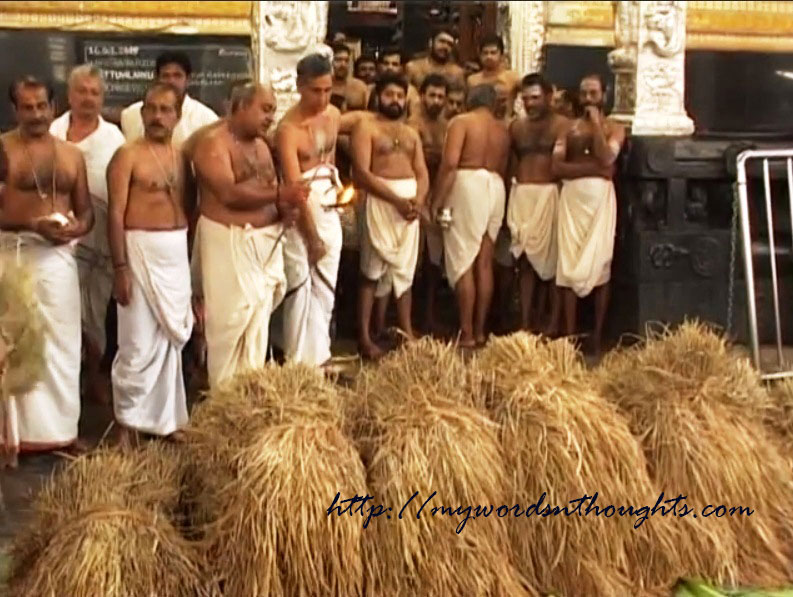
[[71, 151], [614, 126], [416, 64], [474, 79], [358, 85]]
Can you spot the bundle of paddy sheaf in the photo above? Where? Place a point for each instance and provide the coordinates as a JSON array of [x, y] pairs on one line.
[[424, 442], [103, 527], [698, 411], [779, 418], [269, 455], [21, 330], [563, 440]]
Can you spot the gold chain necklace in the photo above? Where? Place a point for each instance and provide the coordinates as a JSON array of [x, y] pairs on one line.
[[170, 179]]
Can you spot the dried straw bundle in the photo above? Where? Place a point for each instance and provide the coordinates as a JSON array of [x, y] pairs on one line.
[[561, 438], [779, 417], [423, 442], [698, 413], [94, 519], [114, 552], [269, 456], [21, 330]]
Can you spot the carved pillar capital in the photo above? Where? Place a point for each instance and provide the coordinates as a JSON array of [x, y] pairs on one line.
[[649, 67], [284, 32]]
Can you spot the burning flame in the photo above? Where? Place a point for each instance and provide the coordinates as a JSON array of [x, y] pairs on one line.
[[346, 196]]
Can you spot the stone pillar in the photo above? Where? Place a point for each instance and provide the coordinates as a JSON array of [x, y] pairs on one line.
[[525, 39], [651, 92], [284, 32]]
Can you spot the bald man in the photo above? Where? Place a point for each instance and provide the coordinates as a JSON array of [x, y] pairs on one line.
[[243, 210]]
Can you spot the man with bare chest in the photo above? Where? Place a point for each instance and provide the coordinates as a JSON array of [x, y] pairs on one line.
[[389, 164], [306, 140], [470, 184], [430, 123], [148, 243], [44, 210], [506, 82], [440, 60], [348, 93], [243, 209], [534, 194], [584, 157]]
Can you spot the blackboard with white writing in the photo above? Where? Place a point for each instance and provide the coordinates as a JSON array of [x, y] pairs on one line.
[[127, 62]]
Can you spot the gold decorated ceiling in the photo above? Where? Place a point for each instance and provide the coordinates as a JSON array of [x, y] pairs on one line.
[[729, 25], [175, 17]]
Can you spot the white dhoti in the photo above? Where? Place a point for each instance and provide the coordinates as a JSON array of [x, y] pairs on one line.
[[477, 202], [243, 282], [46, 417], [390, 247], [531, 217], [148, 387], [303, 329], [95, 268], [586, 229]]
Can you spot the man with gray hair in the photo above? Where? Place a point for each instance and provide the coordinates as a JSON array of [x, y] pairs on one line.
[[306, 140], [98, 140], [470, 183]]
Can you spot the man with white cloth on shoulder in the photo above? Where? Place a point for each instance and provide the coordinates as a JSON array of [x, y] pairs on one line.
[[148, 241], [98, 140], [306, 140], [584, 157], [533, 198], [388, 162], [239, 234], [44, 210], [173, 68], [471, 184]]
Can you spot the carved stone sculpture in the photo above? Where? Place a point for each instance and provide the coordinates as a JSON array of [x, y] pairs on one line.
[[284, 32], [649, 67]]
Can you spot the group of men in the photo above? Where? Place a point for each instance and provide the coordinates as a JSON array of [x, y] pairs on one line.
[[198, 224], [554, 164]]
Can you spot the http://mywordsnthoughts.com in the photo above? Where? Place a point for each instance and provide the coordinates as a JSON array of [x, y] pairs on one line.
[[368, 510]]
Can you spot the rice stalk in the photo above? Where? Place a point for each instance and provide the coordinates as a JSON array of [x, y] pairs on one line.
[[698, 411]]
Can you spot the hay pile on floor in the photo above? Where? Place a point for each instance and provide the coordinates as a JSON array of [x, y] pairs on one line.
[[779, 418], [269, 455], [103, 527], [423, 441], [21, 330], [698, 411], [563, 439]]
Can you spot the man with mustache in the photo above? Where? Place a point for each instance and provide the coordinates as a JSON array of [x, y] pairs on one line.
[[534, 194], [431, 125], [44, 209], [306, 141], [455, 100], [348, 92], [439, 61], [243, 210], [148, 242], [366, 69], [583, 157], [506, 82], [390, 61], [388, 163], [98, 140], [174, 68], [470, 183]]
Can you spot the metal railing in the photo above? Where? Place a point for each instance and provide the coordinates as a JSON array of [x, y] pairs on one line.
[[746, 236]]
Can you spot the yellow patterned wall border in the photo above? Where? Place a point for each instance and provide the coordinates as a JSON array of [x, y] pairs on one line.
[[717, 25], [223, 18]]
